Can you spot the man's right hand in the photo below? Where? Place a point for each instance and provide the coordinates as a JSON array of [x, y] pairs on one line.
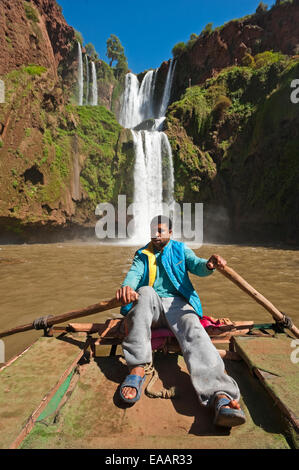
[[126, 295]]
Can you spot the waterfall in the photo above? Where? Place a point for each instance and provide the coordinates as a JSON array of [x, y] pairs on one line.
[[129, 108], [153, 169], [146, 96], [137, 101], [94, 100], [167, 89], [80, 76], [87, 80]]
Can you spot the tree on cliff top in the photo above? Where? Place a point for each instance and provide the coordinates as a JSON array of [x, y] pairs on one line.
[[90, 50], [115, 52]]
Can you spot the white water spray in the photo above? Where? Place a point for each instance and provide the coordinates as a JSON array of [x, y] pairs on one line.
[[167, 89], [80, 76], [153, 170], [87, 79], [137, 101], [94, 100]]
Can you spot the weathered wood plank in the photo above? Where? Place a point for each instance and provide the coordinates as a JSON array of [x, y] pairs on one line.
[[270, 360], [28, 384]]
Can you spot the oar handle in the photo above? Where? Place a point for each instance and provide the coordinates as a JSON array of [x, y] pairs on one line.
[[259, 298], [90, 310]]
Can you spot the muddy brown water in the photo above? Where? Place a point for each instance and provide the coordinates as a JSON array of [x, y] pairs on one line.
[[37, 280]]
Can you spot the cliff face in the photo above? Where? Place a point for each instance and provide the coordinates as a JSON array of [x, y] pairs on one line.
[[40, 32], [276, 29], [57, 160], [232, 125], [236, 137], [234, 132]]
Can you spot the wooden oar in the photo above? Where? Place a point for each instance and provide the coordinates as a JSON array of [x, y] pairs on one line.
[[259, 298], [96, 308]]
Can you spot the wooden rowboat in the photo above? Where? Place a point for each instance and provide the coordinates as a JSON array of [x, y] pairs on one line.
[[62, 392]]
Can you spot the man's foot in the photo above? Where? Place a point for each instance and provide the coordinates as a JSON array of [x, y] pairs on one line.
[[228, 412], [130, 393], [232, 404]]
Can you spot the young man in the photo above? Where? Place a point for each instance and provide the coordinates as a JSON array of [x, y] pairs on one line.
[[157, 292]]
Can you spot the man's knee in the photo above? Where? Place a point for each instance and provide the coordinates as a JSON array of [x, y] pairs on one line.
[[146, 291], [190, 324]]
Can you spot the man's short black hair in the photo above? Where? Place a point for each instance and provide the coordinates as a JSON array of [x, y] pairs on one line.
[[161, 219]]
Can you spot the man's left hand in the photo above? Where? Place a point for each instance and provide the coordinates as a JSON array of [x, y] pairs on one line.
[[216, 261]]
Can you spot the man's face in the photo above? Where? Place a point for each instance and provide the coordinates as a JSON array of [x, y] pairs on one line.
[[160, 235]]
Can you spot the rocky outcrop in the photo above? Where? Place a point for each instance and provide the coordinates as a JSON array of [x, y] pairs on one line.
[[33, 32], [276, 29], [236, 137], [58, 161]]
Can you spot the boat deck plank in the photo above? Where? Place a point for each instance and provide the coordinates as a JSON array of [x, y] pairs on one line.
[[94, 417], [26, 384], [271, 360]]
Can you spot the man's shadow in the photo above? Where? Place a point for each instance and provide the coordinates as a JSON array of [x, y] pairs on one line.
[[171, 374]]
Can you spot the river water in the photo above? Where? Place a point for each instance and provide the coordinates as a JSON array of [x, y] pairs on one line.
[[37, 280]]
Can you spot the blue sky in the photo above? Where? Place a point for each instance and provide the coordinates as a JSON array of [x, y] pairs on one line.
[[149, 29]]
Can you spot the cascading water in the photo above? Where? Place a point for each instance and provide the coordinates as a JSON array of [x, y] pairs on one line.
[[153, 170], [80, 76], [167, 89], [87, 79], [94, 100]]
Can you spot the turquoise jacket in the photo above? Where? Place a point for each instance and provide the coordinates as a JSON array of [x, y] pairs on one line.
[[177, 260]]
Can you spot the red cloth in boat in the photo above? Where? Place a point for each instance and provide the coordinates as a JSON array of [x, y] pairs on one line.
[[160, 334]]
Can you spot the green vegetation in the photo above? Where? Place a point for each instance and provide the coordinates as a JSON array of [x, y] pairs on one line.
[[79, 37], [231, 127], [181, 47], [178, 49], [208, 29], [90, 50], [262, 8], [30, 12], [115, 52], [34, 69], [98, 131]]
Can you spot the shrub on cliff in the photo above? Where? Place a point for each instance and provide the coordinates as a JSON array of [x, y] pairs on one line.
[[248, 60], [208, 29], [267, 58], [262, 8], [192, 40], [90, 50], [178, 49], [222, 104], [34, 69], [79, 37]]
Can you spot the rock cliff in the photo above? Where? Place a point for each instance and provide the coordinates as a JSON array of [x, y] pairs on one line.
[[212, 51], [231, 125], [58, 160]]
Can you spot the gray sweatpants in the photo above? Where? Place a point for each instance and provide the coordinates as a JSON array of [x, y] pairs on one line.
[[203, 361]]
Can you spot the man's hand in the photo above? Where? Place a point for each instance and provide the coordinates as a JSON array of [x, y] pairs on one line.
[[216, 262], [126, 295]]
